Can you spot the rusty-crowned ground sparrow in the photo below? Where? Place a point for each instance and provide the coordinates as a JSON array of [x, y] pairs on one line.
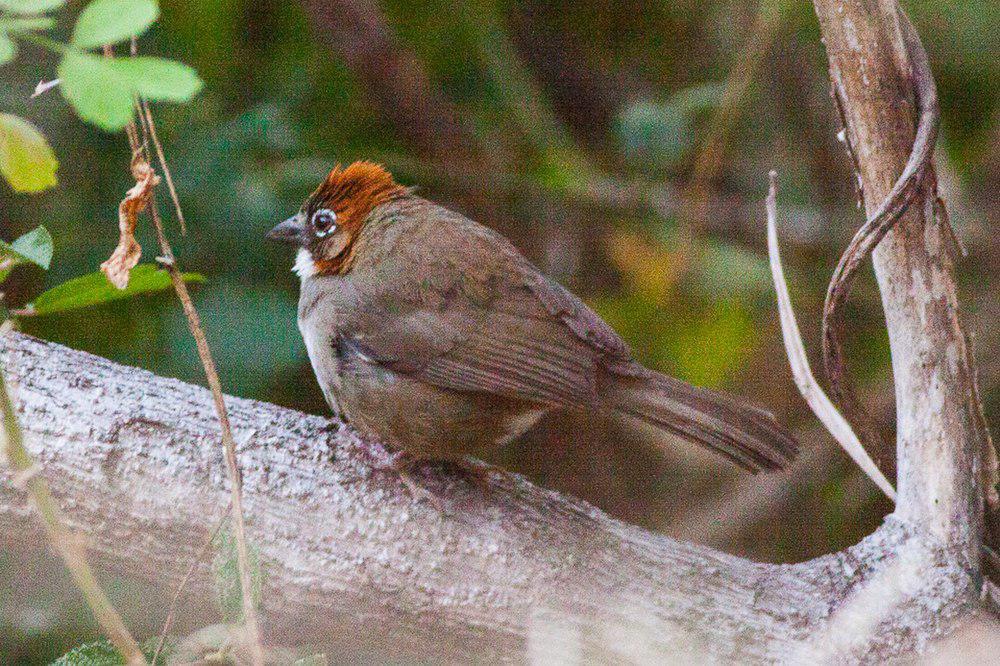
[[435, 335]]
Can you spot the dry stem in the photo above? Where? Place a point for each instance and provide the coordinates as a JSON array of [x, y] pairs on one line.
[[69, 546], [138, 137], [168, 622], [810, 389], [169, 262]]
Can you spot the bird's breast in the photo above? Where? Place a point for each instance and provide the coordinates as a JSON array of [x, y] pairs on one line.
[[319, 347]]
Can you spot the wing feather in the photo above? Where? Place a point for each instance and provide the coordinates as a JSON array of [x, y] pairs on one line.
[[495, 326]]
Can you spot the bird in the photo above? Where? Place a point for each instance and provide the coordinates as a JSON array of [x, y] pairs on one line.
[[434, 335]]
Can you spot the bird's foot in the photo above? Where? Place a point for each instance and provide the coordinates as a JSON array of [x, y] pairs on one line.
[[418, 492], [385, 460], [402, 464]]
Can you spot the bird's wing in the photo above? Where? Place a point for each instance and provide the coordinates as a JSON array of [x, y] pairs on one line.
[[530, 340]]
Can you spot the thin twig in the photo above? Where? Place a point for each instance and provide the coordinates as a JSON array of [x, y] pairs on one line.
[[871, 233], [180, 587], [138, 140], [708, 161], [151, 127], [69, 546], [232, 465], [810, 389]]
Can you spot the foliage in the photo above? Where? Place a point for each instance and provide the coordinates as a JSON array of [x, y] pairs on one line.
[[662, 134], [95, 289], [282, 104], [34, 247], [98, 653], [30, 6], [112, 21], [102, 653], [101, 90], [26, 159]]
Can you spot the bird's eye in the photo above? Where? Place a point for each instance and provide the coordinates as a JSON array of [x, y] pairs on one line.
[[324, 222]]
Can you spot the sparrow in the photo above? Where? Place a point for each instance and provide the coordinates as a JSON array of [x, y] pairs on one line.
[[433, 334]]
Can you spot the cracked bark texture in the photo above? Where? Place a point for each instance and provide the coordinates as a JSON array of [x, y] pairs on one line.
[[352, 560], [519, 573]]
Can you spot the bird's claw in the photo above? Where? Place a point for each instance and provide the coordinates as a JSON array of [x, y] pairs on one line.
[[402, 463]]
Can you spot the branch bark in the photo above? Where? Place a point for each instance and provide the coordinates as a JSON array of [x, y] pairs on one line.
[[519, 570], [941, 437]]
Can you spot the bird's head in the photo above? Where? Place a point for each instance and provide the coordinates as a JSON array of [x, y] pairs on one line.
[[328, 223]]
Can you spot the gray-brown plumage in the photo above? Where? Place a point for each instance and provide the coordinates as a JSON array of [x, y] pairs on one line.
[[434, 334]]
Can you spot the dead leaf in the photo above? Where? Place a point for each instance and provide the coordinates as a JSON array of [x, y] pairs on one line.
[[121, 262]]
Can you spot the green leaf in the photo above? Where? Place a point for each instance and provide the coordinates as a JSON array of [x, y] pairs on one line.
[[662, 134], [30, 6], [112, 21], [8, 49], [29, 24], [33, 247], [102, 90], [26, 159], [98, 653], [94, 289], [103, 653], [100, 94], [159, 78]]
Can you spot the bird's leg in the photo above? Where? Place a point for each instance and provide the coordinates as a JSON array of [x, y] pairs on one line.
[[402, 462]]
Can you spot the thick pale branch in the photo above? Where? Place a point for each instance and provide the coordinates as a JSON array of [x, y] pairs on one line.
[[353, 563], [881, 80], [905, 191]]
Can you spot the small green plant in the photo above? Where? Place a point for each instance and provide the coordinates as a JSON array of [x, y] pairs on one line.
[[103, 653], [102, 90], [227, 577], [36, 248], [98, 653]]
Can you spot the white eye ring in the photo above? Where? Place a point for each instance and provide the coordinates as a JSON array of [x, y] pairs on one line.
[[324, 222]]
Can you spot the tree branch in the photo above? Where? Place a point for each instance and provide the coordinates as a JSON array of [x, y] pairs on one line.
[[810, 389], [353, 563], [517, 572], [879, 76], [906, 189]]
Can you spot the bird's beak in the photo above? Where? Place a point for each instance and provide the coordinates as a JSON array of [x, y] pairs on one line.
[[289, 231]]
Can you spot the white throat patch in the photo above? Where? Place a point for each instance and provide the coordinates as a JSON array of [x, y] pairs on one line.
[[304, 266]]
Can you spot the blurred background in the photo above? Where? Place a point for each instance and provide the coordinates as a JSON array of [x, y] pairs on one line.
[[623, 147]]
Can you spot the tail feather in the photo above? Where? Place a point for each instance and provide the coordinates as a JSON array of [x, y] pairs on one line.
[[743, 433]]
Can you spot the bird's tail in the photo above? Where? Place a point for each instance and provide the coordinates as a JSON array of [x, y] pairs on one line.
[[747, 435]]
